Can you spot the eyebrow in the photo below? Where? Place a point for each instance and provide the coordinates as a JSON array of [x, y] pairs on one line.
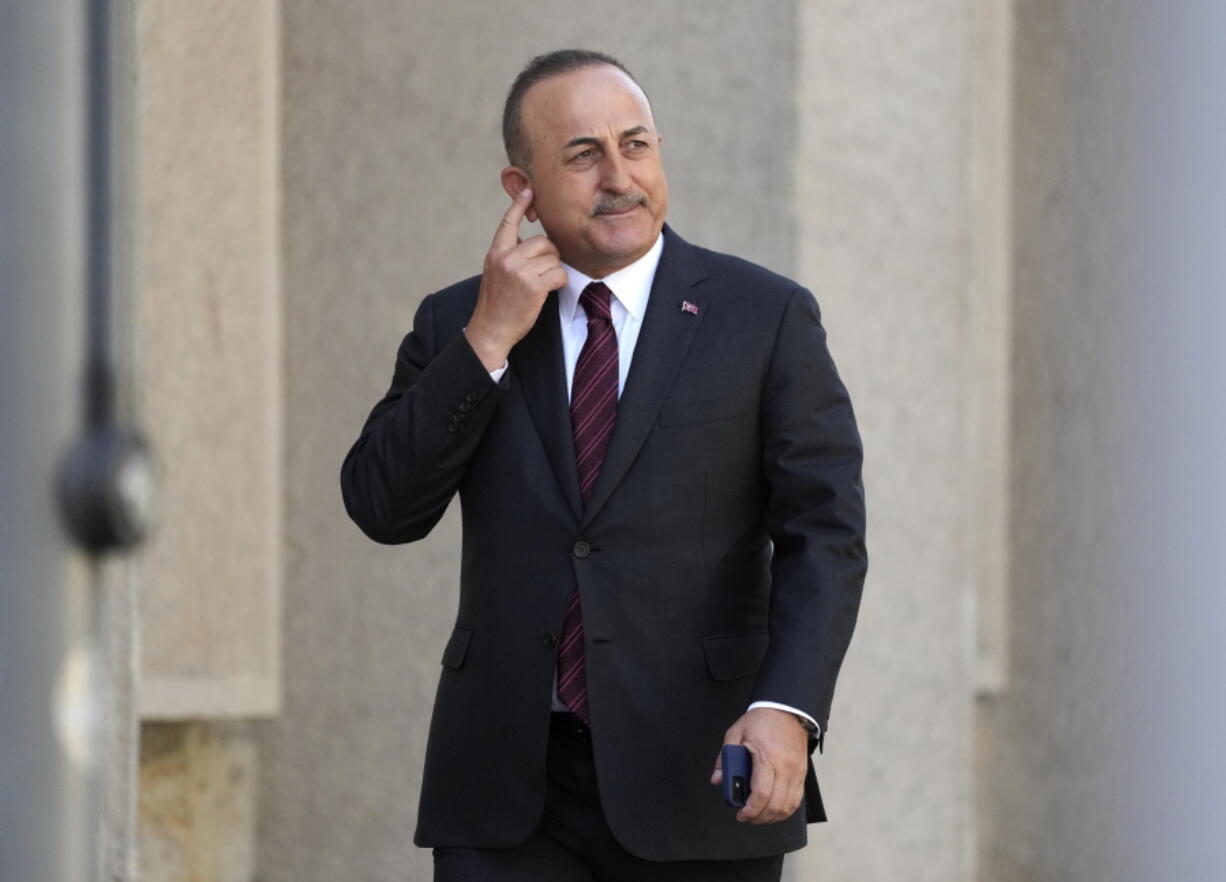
[[590, 140]]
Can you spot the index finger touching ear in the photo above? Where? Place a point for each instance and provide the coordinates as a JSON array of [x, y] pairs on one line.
[[507, 235]]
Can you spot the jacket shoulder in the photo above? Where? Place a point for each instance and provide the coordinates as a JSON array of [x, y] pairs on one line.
[[768, 288], [448, 310], [460, 297]]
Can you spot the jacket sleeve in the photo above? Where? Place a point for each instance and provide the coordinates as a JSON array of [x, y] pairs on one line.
[[406, 464], [815, 515]]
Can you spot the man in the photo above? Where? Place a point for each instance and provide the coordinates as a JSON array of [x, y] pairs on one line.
[[663, 523]]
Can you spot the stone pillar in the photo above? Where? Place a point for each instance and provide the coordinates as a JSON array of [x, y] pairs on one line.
[[209, 361], [1102, 760], [208, 335], [884, 234]]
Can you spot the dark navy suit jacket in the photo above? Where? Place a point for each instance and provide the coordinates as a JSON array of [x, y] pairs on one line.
[[719, 561]]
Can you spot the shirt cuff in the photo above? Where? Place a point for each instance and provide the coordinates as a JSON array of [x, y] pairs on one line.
[[808, 722]]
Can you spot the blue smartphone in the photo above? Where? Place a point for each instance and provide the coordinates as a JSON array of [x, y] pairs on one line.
[[738, 768]]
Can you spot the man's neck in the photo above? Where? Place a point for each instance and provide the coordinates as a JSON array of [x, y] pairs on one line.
[[631, 284], [598, 272]]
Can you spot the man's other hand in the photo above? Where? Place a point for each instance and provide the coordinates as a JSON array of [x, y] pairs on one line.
[[516, 279], [778, 743]]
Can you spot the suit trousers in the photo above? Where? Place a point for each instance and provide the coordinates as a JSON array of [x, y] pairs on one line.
[[572, 841]]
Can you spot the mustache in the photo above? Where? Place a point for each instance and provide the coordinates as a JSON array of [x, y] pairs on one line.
[[614, 204]]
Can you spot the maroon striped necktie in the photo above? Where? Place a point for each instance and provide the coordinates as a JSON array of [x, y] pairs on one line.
[[593, 409]]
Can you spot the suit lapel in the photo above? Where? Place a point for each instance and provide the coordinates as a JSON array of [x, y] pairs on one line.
[[663, 342], [538, 363]]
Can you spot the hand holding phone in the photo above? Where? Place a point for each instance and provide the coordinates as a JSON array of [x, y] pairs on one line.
[[738, 768]]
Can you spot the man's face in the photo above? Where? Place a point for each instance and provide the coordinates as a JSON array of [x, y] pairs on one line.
[[599, 187]]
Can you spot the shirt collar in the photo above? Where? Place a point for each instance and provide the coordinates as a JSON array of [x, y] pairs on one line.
[[631, 284]]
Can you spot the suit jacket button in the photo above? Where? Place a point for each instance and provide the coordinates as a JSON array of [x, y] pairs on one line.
[[550, 641], [582, 549]]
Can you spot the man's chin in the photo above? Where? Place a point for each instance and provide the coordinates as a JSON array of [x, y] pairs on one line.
[[623, 237], [623, 253]]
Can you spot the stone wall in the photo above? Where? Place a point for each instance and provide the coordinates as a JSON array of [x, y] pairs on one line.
[[197, 803]]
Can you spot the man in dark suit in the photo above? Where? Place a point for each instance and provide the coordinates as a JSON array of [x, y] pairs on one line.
[[663, 521]]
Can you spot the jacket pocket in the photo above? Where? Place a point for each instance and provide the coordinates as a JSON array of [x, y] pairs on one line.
[[457, 648], [732, 656]]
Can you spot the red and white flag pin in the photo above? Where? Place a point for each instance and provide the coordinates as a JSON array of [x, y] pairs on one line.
[[686, 306]]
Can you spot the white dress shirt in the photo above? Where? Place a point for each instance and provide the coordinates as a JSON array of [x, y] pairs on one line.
[[630, 287]]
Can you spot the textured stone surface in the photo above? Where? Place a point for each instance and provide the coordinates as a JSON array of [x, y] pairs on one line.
[[883, 103], [392, 151], [208, 338], [197, 802]]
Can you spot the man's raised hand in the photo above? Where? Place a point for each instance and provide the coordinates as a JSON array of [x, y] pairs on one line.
[[516, 278]]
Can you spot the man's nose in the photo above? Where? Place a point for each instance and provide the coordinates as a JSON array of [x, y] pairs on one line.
[[615, 173]]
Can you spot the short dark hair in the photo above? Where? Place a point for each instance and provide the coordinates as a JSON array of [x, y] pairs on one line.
[[551, 64]]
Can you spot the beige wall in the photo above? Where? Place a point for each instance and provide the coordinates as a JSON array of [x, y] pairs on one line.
[[208, 334]]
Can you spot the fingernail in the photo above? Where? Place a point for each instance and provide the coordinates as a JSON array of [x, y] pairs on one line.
[[526, 193]]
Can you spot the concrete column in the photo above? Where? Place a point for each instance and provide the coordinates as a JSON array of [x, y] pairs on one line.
[[206, 326], [883, 231], [1102, 760]]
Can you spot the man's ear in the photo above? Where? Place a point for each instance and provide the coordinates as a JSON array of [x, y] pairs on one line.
[[514, 179]]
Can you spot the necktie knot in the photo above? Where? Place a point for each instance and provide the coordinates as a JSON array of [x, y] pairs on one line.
[[595, 301]]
